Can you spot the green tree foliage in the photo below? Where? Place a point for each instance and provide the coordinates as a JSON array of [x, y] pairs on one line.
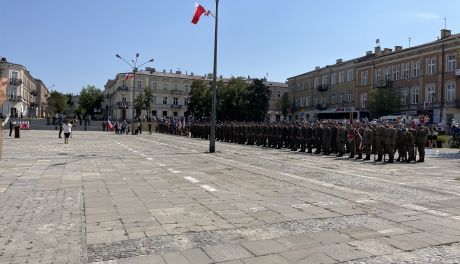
[[284, 105], [90, 98], [238, 100], [56, 103], [383, 101], [199, 100], [139, 104], [257, 97], [232, 100], [148, 98]]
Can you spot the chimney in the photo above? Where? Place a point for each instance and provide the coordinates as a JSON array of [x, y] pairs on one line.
[[398, 48], [164, 71], [378, 51], [178, 72], [192, 74], [170, 71], [338, 61], [368, 53], [317, 68], [387, 51], [445, 33]]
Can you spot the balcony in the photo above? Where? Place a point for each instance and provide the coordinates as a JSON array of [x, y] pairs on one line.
[[176, 106], [322, 87], [122, 88], [34, 92], [321, 106], [14, 98], [455, 103], [428, 106], [123, 105], [14, 81], [383, 84], [457, 72]]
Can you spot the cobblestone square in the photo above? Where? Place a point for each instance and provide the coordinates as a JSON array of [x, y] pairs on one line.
[[158, 198]]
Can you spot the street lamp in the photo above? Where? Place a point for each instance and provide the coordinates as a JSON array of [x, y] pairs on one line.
[[134, 68]]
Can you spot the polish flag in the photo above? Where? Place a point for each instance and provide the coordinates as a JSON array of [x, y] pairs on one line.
[[199, 11], [129, 76], [110, 124]]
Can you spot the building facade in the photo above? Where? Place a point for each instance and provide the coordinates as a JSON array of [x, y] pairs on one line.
[[40, 99], [170, 93], [21, 92], [425, 77], [277, 91]]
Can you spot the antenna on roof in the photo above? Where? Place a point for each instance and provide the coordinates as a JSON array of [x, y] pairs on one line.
[[445, 22], [377, 42], [409, 41]]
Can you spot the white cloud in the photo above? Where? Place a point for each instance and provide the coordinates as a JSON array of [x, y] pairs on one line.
[[425, 15]]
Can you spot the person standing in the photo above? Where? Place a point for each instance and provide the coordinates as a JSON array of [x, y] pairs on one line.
[[3, 83], [11, 125], [67, 127], [420, 140], [60, 127]]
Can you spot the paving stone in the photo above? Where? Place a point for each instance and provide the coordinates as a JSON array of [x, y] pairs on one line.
[[264, 247], [268, 259], [196, 255], [227, 252]]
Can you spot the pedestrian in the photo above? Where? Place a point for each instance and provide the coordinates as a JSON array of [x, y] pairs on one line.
[[67, 131], [60, 127], [11, 125], [3, 83]]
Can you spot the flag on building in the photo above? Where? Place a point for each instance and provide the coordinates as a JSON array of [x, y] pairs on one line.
[[199, 11], [128, 76]]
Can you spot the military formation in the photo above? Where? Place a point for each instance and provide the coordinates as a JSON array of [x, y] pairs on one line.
[[358, 140]]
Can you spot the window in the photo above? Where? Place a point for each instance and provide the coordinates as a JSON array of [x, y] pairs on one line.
[[139, 84], [415, 69], [176, 87], [185, 101], [324, 82], [154, 86], [165, 100], [378, 75], [175, 114], [123, 83], [154, 99], [165, 113], [364, 78], [341, 77], [333, 78], [404, 97], [333, 98], [414, 95], [450, 92], [431, 66], [123, 98], [405, 71], [308, 100], [341, 97], [165, 86], [350, 96], [316, 81], [278, 94], [451, 63], [14, 75], [323, 100], [309, 83], [350, 75], [363, 100], [175, 101], [430, 93], [396, 74], [186, 88], [387, 74]]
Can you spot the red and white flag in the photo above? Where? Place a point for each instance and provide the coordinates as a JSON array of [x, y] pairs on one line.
[[129, 76], [199, 11], [110, 124]]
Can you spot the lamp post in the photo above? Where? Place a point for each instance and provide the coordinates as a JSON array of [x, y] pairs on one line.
[[134, 68], [212, 141]]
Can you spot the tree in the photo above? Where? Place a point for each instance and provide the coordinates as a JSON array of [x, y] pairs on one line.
[[148, 98], [257, 97], [56, 103], [232, 104], [284, 105], [90, 99], [383, 101], [199, 100], [139, 104]]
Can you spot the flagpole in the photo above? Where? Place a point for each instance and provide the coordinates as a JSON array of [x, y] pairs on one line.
[[212, 142]]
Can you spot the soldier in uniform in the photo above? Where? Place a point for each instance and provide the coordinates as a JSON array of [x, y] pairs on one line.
[[399, 142], [341, 139], [390, 142], [326, 139], [420, 141], [368, 139], [359, 141], [380, 141], [409, 145], [333, 138], [309, 138], [352, 136], [317, 134]]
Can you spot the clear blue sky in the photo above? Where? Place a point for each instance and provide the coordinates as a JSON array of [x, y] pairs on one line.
[[73, 43]]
